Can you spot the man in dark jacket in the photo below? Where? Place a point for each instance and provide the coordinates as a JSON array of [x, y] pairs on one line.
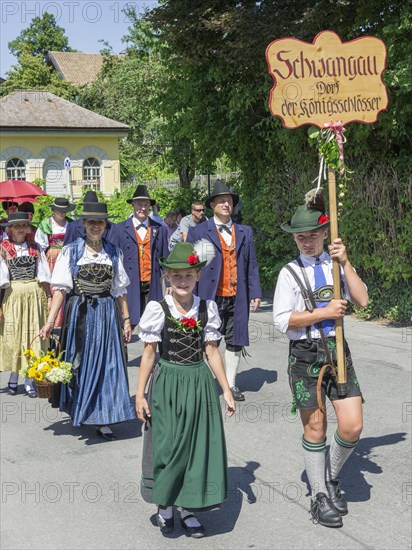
[[231, 279], [143, 242]]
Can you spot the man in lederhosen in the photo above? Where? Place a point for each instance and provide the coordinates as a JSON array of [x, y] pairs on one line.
[[231, 279], [311, 331], [143, 242]]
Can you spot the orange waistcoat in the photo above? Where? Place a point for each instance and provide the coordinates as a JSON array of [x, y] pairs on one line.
[[228, 274], [144, 255]]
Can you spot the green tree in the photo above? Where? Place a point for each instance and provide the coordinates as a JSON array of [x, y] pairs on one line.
[[43, 35], [216, 52], [123, 91], [166, 100], [31, 73]]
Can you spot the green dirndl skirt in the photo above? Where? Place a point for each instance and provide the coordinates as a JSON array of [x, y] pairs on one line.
[[184, 455]]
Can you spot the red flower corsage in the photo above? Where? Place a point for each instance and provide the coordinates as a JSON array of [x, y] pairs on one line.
[[193, 260], [323, 219], [189, 323], [186, 324]]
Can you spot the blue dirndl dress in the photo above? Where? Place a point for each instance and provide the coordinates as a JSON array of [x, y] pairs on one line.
[[92, 338]]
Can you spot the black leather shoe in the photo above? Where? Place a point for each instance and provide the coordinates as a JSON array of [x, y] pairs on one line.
[[165, 525], [324, 512], [194, 532], [107, 436], [237, 395], [12, 389], [31, 393], [336, 496]]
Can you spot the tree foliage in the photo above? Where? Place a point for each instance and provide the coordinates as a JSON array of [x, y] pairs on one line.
[[31, 73], [216, 50], [42, 36], [124, 91]]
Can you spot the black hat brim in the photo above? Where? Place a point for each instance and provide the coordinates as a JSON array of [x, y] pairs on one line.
[[16, 222], [234, 196], [152, 201], [69, 208], [94, 217]]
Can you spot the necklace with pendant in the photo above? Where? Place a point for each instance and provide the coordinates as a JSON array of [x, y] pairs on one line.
[[184, 305], [94, 247]]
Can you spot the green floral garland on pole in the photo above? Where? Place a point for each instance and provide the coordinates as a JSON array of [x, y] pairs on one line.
[[329, 143]]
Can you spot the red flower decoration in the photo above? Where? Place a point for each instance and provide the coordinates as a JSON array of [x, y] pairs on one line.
[[193, 260], [189, 323], [323, 219], [186, 325]]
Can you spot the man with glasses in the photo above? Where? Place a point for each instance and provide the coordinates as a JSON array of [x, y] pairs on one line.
[[143, 242], [231, 279], [196, 217]]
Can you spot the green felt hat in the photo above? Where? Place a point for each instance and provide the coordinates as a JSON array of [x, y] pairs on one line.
[[306, 219], [183, 256]]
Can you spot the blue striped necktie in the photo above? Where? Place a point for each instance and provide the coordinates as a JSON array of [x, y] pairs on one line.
[[320, 280]]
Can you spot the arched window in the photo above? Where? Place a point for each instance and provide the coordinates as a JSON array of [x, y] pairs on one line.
[[91, 170], [15, 169]]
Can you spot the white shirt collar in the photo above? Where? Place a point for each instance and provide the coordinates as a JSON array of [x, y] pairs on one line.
[[309, 261], [138, 222], [218, 222]]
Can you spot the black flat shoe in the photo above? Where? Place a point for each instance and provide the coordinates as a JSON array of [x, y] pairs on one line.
[[107, 436], [237, 395], [194, 532], [336, 496], [31, 393], [324, 512], [165, 525], [12, 389]]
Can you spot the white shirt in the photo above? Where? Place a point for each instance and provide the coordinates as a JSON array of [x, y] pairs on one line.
[[4, 274], [227, 237], [42, 239], [153, 319], [62, 277], [288, 297], [142, 230], [43, 270]]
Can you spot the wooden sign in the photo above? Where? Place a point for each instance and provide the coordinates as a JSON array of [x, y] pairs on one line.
[[327, 81]]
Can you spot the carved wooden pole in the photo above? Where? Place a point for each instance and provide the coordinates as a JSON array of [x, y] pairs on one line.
[[340, 350]]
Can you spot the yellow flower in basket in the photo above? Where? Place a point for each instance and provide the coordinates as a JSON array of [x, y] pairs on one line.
[[48, 367], [31, 373]]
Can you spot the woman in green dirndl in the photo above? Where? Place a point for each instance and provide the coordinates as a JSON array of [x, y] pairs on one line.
[[184, 458]]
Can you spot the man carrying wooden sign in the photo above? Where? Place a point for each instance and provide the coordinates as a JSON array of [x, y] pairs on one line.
[[323, 83]]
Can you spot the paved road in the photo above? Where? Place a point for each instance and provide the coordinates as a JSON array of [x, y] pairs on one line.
[[64, 488]]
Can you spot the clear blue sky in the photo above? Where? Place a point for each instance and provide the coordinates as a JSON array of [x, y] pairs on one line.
[[84, 21]]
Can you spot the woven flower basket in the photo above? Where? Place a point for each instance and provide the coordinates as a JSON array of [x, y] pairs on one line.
[[44, 388]]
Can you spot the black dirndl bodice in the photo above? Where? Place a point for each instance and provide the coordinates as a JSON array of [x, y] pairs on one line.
[[23, 268], [93, 280], [178, 346]]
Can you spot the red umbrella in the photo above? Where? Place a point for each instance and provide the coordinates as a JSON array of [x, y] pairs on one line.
[[19, 191]]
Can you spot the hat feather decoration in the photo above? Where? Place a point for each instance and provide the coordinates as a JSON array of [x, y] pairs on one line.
[[314, 199], [205, 250]]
